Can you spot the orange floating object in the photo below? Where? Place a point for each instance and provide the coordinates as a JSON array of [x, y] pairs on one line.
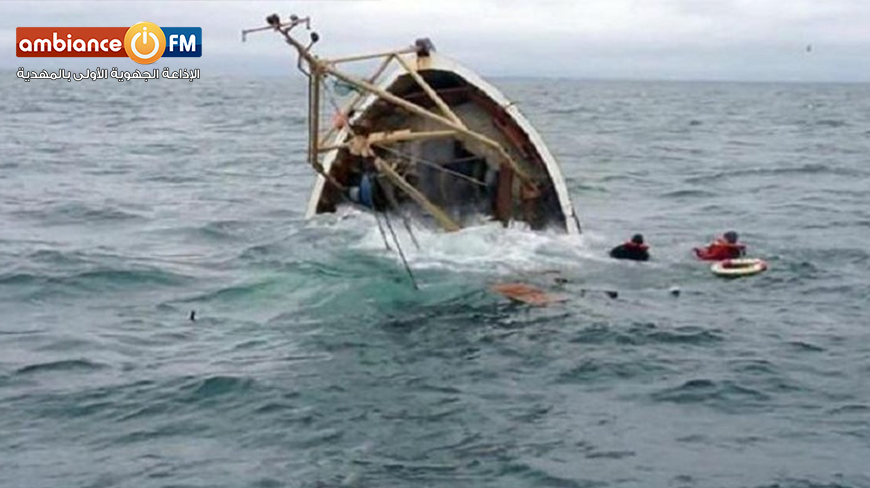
[[523, 293]]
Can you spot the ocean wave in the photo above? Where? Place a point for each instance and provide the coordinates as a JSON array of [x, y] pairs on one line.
[[261, 252], [96, 279], [829, 123], [806, 169], [19, 279], [182, 396], [235, 292], [857, 408], [76, 213], [223, 229], [754, 366], [28, 108], [836, 225], [109, 277], [574, 109], [545, 474], [815, 483], [683, 335], [216, 386], [172, 178], [724, 394], [689, 193], [58, 258], [606, 370], [67, 365], [641, 334], [803, 346]]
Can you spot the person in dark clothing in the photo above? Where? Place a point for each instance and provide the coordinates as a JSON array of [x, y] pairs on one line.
[[634, 250]]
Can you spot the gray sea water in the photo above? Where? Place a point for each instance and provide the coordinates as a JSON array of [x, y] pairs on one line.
[[314, 363]]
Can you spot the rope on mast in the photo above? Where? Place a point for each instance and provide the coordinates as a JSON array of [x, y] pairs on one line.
[[401, 253], [405, 221], [380, 228]]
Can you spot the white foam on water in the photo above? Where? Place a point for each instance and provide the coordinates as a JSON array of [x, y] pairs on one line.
[[487, 248]]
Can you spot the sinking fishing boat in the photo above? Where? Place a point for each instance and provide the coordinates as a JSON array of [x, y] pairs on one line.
[[424, 137]]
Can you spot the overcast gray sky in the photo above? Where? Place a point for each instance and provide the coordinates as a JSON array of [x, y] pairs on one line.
[[649, 39]]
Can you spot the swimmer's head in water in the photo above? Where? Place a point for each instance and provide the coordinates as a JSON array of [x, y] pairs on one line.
[[637, 239]]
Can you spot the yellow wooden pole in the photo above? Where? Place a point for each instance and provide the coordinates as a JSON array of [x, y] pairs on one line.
[[360, 96], [364, 57], [418, 110], [429, 91], [440, 216]]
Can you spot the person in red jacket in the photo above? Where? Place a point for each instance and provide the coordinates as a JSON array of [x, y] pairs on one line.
[[726, 247]]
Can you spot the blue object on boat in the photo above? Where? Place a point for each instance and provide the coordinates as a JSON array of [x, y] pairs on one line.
[[366, 191]]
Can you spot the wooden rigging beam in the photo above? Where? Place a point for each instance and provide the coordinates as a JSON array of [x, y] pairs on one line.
[[314, 119], [407, 135], [418, 110], [390, 138], [378, 72], [313, 160], [363, 57], [440, 216], [445, 109], [332, 147]]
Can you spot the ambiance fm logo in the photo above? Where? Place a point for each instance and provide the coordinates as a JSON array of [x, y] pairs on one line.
[[144, 42]]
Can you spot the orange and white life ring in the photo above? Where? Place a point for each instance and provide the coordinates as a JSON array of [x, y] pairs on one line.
[[735, 268]]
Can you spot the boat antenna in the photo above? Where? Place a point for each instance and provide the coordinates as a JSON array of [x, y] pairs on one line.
[[274, 23]]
